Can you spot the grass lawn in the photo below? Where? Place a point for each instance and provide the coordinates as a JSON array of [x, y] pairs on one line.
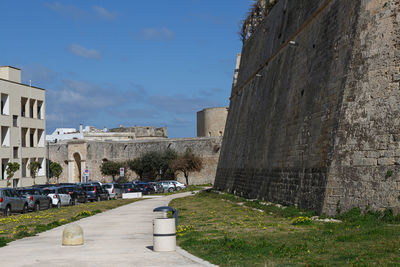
[[188, 188], [21, 225], [230, 231]]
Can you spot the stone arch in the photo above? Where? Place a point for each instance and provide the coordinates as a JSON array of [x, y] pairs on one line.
[[77, 163]]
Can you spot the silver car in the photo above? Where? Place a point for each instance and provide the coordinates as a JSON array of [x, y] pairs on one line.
[[114, 190], [11, 201], [36, 198]]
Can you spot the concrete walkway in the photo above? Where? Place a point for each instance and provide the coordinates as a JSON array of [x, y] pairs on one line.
[[119, 237]]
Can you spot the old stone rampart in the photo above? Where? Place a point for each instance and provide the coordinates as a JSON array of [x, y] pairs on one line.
[[314, 118], [93, 153]]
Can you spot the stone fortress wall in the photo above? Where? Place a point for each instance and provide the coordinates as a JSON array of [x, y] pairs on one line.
[[314, 117], [77, 155], [211, 121]]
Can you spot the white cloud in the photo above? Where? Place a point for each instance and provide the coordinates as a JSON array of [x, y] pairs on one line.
[[84, 52], [157, 34], [104, 13], [76, 13], [38, 74], [70, 11]]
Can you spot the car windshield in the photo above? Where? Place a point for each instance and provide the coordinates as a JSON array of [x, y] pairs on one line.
[[108, 186], [26, 192], [89, 188], [49, 191]]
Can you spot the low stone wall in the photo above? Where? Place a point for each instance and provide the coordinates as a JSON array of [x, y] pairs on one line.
[[93, 153]]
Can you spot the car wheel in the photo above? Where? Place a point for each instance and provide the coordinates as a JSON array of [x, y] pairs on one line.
[[7, 211], [58, 204], [36, 207], [50, 205], [71, 202], [25, 209], [170, 189], [98, 199]]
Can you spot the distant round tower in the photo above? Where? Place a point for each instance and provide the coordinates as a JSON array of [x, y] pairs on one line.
[[211, 122]]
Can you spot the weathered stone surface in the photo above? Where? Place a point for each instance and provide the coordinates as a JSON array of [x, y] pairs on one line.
[[319, 125], [92, 154], [72, 235]]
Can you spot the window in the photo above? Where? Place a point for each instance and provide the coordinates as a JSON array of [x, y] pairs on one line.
[[42, 167], [15, 120], [40, 138], [32, 138], [24, 132], [5, 108], [3, 168], [24, 167], [15, 183], [23, 106], [5, 136], [15, 152], [39, 109], [31, 108]]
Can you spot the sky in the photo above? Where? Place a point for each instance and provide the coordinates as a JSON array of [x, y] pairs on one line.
[[126, 62]]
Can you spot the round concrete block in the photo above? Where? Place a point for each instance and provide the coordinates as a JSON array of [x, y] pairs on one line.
[[72, 235]]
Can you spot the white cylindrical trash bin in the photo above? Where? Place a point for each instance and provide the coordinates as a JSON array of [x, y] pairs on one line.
[[164, 234]]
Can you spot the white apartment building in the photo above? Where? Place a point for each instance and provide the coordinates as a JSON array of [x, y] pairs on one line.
[[22, 128]]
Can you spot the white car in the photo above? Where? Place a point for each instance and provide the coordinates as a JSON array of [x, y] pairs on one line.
[[59, 196], [179, 185]]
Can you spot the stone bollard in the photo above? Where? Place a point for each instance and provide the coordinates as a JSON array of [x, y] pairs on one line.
[[72, 235]]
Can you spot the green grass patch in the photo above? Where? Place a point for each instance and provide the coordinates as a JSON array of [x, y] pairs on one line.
[[189, 188], [29, 224], [232, 231]]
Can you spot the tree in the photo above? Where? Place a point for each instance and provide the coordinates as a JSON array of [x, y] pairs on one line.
[[55, 169], [34, 167], [149, 164], [186, 163], [11, 169], [111, 168]]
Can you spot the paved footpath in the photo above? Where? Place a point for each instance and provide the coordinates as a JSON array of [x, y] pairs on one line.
[[118, 237]]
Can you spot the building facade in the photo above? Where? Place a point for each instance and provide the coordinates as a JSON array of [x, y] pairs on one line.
[[23, 127], [91, 133]]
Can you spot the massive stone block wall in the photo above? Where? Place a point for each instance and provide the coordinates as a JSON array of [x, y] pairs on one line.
[[314, 116], [94, 152]]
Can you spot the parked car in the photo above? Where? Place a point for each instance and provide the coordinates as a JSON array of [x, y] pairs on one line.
[[95, 192], [11, 201], [129, 188], [59, 196], [145, 188], [157, 187], [169, 186], [114, 190], [77, 193], [179, 185], [36, 198]]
